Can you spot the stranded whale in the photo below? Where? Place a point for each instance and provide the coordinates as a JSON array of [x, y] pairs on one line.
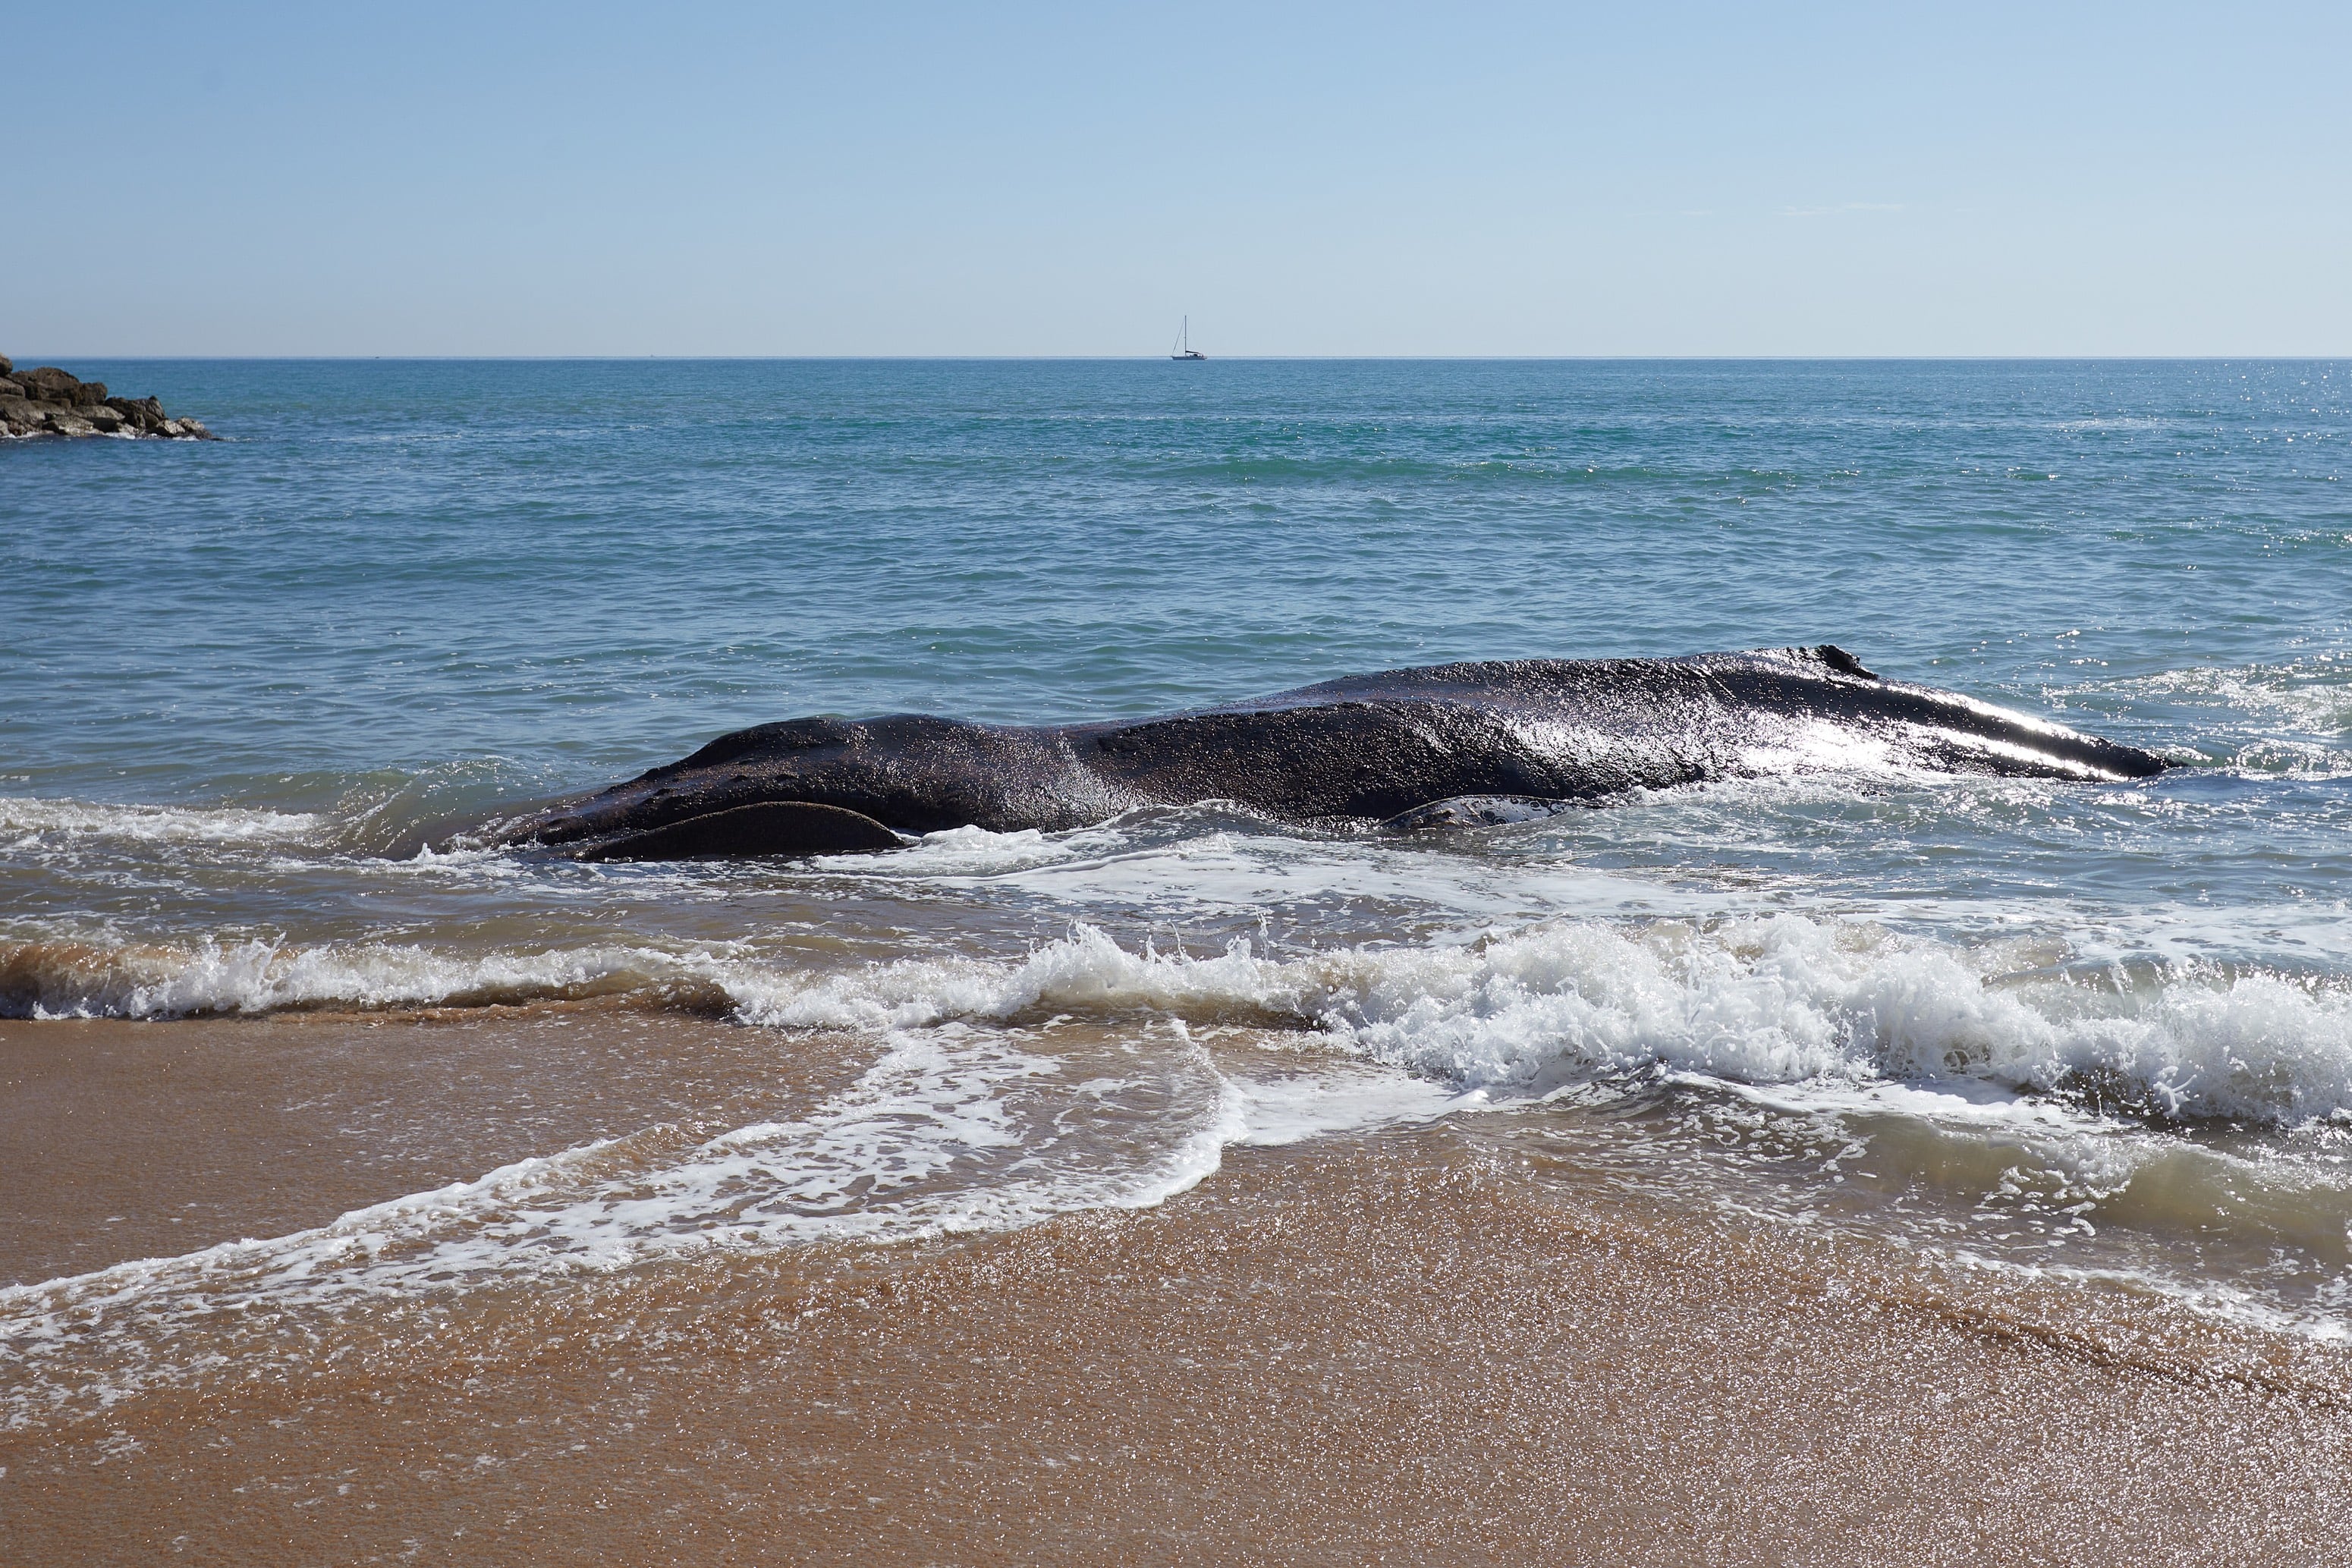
[[1443, 745]]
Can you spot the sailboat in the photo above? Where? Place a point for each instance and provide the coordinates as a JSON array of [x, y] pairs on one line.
[[1183, 348]]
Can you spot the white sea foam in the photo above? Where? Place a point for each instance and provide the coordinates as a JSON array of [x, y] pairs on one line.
[[1084, 971], [972, 851], [1191, 862], [1778, 998], [951, 1129], [1788, 998], [2289, 718], [29, 819], [1293, 1107], [973, 1116], [1766, 1000], [82, 980], [2313, 697]]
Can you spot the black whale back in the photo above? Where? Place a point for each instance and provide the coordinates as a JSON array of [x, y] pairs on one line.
[[1364, 747], [1378, 745]]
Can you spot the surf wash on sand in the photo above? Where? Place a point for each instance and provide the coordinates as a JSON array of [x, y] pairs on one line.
[[1807, 1093]]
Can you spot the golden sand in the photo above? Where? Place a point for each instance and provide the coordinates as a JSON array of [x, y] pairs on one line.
[[1410, 1347]]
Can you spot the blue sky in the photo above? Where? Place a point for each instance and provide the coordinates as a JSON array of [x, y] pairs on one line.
[[2083, 179]]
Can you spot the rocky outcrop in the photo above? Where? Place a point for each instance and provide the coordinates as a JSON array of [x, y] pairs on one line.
[[46, 401]]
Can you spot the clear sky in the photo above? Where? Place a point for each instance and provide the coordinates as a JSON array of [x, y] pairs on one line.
[[1613, 179]]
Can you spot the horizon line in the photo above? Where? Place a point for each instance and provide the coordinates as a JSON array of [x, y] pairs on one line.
[[1249, 359]]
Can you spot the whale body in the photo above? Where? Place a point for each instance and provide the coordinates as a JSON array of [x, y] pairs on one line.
[[1442, 745]]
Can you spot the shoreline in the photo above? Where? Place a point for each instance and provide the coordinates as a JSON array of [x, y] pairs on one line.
[[1406, 1345], [195, 1132]]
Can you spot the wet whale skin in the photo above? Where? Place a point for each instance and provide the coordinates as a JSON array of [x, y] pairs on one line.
[[1434, 746]]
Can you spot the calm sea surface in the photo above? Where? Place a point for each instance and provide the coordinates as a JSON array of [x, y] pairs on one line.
[[255, 694]]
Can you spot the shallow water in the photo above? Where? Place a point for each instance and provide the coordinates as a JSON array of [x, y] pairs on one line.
[[259, 692]]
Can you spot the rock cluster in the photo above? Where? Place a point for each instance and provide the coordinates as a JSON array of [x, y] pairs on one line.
[[49, 402]]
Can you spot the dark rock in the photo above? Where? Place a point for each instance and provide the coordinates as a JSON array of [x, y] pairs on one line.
[[144, 412], [50, 383], [47, 401]]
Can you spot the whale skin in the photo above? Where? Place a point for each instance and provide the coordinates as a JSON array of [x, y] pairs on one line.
[[1411, 749]]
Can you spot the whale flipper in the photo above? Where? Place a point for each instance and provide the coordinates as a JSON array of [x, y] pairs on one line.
[[769, 828]]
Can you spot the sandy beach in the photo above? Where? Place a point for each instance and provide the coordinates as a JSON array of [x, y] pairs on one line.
[[1444, 1346]]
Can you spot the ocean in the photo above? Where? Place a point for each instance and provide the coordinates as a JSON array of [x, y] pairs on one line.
[[266, 696]]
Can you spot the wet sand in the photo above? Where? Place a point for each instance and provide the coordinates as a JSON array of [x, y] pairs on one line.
[[1419, 1347], [135, 1140]]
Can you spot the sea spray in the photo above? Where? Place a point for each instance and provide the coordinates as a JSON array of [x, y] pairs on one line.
[[1781, 998]]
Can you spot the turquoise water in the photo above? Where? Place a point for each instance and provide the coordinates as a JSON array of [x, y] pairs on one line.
[[256, 691]]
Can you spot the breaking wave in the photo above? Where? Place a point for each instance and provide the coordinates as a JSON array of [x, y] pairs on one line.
[[84, 979], [23, 818], [1759, 999]]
